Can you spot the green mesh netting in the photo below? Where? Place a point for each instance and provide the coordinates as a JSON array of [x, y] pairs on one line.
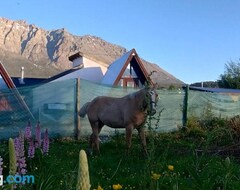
[[55, 105], [223, 105], [168, 116]]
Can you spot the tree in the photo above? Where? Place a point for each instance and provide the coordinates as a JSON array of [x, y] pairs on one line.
[[231, 76]]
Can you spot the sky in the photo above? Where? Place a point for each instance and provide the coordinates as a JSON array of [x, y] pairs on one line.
[[191, 39]]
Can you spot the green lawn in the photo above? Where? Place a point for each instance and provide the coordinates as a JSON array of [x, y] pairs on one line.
[[194, 158]]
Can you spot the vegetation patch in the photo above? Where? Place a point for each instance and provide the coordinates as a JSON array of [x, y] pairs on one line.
[[202, 155]]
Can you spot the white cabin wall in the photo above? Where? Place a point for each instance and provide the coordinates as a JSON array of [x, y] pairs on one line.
[[90, 63], [90, 70], [77, 62]]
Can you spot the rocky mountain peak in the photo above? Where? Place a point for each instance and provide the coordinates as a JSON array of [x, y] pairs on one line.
[[48, 51]]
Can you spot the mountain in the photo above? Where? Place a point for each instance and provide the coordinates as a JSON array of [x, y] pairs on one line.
[[45, 53]]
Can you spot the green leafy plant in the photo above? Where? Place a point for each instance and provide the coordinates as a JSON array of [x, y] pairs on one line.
[[12, 161]]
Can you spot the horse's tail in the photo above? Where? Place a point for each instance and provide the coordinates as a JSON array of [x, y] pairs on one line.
[[83, 109]]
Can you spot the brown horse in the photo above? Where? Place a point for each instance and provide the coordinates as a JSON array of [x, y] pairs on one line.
[[128, 112]]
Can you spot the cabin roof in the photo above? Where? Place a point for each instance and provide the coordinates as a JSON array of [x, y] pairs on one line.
[[27, 81], [217, 90], [64, 73], [117, 68], [76, 55]]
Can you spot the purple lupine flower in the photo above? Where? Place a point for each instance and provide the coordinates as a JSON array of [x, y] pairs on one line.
[[22, 159], [28, 131], [31, 149], [45, 142], [22, 166], [20, 154], [21, 145], [1, 163], [38, 136]]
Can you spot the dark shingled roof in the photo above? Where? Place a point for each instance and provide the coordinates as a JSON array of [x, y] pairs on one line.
[[218, 90]]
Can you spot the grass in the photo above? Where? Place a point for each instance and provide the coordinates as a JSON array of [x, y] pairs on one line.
[[195, 156]]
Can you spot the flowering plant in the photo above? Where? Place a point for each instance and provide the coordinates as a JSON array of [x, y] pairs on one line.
[[117, 186]]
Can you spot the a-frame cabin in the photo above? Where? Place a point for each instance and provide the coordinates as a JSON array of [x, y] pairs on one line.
[[127, 71]]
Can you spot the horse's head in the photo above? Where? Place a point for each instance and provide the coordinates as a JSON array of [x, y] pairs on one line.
[[152, 99]]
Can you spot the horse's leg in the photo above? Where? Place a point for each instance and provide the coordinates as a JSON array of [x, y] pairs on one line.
[[129, 130], [143, 139], [94, 143], [100, 126], [91, 144]]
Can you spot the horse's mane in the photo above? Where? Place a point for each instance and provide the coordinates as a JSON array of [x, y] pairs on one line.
[[137, 93], [140, 98]]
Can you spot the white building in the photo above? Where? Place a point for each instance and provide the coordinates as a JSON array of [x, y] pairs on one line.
[[127, 70]]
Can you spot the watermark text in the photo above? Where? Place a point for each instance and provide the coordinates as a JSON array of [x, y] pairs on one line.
[[17, 179]]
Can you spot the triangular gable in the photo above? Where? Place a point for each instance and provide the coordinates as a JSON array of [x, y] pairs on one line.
[[118, 67], [114, 69], [7, 79]]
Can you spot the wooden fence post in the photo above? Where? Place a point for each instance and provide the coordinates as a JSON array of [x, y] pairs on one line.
[[185, 106], [77, 118]]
